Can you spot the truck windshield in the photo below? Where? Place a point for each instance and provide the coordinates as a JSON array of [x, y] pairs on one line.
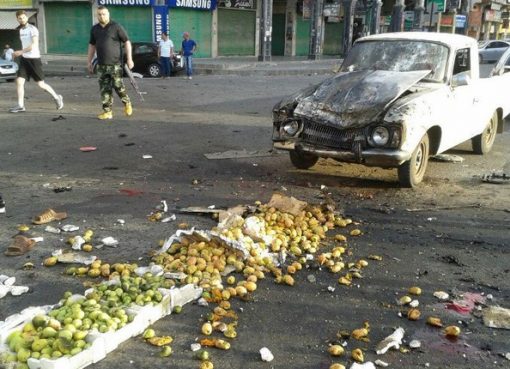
[[398, 56]]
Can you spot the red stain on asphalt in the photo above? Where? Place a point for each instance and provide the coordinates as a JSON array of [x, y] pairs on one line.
[[467, 304], [130, 192]]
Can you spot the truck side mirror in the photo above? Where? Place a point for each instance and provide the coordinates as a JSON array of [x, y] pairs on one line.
[[460, 79]]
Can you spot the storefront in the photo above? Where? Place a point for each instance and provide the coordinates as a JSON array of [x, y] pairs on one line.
[[236, 27], [8, 23]]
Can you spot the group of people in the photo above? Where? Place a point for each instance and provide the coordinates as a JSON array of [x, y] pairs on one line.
[[106, 39], [166, 54]]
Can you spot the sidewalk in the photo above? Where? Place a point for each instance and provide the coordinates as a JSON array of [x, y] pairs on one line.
[[75, 65]]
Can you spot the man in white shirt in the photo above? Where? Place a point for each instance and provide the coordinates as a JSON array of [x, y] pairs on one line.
[[8, 51], [30, 65], [165, 54]]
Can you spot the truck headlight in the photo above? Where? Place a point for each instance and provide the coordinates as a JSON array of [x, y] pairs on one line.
[[380, 136], [291, 127]]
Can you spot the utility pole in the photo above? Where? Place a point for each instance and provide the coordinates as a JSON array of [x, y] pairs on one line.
[[266, 30], [349, 7], [376, 16], [397, 17], [316, 24]]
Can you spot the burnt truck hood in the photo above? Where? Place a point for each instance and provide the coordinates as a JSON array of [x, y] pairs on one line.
[[355, 99]]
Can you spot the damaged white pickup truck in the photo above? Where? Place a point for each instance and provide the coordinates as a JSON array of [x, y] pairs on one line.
[[398, 98]]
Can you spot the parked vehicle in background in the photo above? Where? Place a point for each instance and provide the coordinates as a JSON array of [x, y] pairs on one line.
[[145, 57], [398, 98], [8, 70], [491, 51]]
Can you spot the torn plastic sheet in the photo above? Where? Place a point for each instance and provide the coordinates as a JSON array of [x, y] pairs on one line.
[[154, 269], [71, 257], [394, 340], [496, 317], [366, 365], [7, 286]]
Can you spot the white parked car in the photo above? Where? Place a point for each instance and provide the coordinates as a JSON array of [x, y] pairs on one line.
[[491, 51], [8, 70], [398, 98]]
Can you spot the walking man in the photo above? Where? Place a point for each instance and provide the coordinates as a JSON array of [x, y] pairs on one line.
[[188, 48], [106, 39], [165, 54], [30, 65]]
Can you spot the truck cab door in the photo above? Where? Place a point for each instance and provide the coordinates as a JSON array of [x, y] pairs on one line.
[[463, 103]]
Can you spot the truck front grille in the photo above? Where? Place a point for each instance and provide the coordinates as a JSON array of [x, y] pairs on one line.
[[322, 135]]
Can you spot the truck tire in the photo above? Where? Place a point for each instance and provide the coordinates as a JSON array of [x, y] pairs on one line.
[[302, 160], [482, 143], [411, 172]]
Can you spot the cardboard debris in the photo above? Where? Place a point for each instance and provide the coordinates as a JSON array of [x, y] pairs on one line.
[[287, 204], [236, 154], [71, 257], [496, 317], [449, 158]]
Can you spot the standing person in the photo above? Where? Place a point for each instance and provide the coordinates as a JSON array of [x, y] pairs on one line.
[[165, 54], [8, 51], [30, 65], [188, 48], [106, 38]]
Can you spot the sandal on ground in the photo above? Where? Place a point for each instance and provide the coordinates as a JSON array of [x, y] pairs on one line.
[[19, 246], [49, 215]]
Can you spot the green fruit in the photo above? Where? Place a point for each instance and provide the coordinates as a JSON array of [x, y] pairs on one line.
[[64, 345], [35, 355], [177, 309], [65, 334], [40, 321], [39, 344], [79, 335], [56, 354], [75, 351], [13, 335], [23, 355], [165, 351], [203, 355], [22, 366], [46, 356], [149, 333], [49, 332], [80, 343], [29, 327], [54, 323], [47, 351]]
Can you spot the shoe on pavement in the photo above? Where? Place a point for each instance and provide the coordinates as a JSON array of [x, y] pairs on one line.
[[59, 101], [105, 115], [190, 77], [128, 109], [17, 109]]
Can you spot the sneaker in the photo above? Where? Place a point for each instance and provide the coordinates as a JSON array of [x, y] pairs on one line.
[[17, 109], [59, 101], [105, 115], [128, 109], [190, 77]]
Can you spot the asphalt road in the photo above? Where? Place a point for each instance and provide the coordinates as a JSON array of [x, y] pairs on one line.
[[450, 234]]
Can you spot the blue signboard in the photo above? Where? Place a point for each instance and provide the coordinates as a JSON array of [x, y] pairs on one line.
[[193, 4], [160, 21], [127, 2], [460, 21]]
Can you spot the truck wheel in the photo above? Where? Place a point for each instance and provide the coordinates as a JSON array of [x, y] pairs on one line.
[[482, 143], [411, 172], [154, 70], [302, 160]]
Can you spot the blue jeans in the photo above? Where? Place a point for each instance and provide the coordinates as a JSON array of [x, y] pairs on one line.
[[188, 62], [166, 66]]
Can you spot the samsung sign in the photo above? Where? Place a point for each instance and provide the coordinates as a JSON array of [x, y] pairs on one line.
[[126, 2], [193, 4]]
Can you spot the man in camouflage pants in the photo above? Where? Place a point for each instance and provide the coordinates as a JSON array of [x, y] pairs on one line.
[[106, 38]]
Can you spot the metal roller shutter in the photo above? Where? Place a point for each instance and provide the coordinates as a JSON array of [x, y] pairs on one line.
[[136, 20], [236, 32], [333, 38], [197, 23], [67, 27]]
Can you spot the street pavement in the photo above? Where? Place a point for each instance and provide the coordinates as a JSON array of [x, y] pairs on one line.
[[450, 234]]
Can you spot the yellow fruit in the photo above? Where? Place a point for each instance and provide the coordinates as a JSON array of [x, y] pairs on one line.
[[452, 331], [336, 350], [207, 328], [206, 365], [340, 238], [160, 341], [288, 280], [355, 232], [434, 321], [359, 333], [345, 281], [413, 314], [52, 260], [87, 247], [336, 366], [404, 300], [23, 228], [250, 286], [415, 291], [357, 355], [94, 273]]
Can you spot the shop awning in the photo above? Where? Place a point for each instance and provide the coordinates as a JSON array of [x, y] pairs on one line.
[[8, 18]]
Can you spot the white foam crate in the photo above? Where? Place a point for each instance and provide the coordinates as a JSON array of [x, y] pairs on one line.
[[102, 343]]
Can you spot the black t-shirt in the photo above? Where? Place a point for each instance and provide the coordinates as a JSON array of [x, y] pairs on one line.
[[108, 42]]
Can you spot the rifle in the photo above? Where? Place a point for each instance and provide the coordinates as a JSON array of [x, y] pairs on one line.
[[133, 82]]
